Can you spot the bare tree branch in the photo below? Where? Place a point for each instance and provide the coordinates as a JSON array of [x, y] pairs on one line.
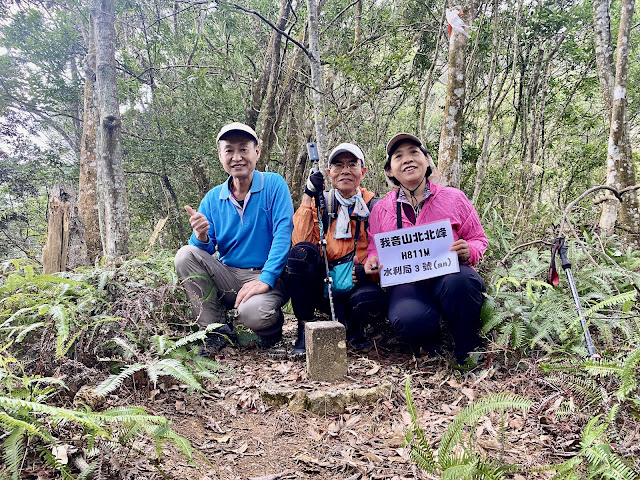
[[518, 247], [285, 34], [588, 192]]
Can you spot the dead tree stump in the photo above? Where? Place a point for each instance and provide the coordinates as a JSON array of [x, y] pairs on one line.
[[65, 247]]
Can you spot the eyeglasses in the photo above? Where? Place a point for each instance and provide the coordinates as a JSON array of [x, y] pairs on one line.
[[338, 167]]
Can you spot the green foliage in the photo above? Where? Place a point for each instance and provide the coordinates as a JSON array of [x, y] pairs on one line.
[[35, 420], [175, 360], [120, 319], [525, 311], [25, 415], [468, 464], [32, 302], [596, 456]]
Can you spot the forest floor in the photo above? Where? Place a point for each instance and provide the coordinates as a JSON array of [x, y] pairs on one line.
[[243, 438]]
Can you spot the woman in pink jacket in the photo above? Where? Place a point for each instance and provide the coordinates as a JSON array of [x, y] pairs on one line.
[[415, 309]]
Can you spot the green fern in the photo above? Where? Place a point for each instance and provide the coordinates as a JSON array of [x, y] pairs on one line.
[[526, 313], [595, 449], [19, 417], [13, 448], [421, 452], [468, 464], [471, 414], [154, 369], [624, 368]]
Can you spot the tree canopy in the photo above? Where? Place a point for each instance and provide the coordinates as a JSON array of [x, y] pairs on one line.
[[534, 129]]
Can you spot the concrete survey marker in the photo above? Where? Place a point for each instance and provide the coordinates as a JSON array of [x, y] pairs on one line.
[[326, 344], [332, 401]]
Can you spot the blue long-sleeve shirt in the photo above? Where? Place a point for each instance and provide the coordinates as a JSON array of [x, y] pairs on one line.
[[261, 237]]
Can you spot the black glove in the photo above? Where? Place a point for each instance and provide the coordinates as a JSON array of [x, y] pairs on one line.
[[361, 276], [315, 184]]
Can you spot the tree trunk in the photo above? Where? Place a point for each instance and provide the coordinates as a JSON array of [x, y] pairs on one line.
[[481, 164], [260, 85], [114, 218], [268, 131], [428, 84], [316, 84], [450, 150], [357, 30], [88, 184], [604, 52], [620, 168]]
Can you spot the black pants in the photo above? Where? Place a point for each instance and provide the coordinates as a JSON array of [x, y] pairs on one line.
[[365, 304], [415, 310]]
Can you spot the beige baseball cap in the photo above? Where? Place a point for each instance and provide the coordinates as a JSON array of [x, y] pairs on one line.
[[399, 137], [347, 148], [237, 127]]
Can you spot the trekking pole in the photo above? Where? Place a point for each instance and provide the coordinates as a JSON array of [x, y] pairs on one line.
[[560, 248], [312, 150]]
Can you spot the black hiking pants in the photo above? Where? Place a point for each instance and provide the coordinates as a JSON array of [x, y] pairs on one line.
[[415, 311], [365, 304]]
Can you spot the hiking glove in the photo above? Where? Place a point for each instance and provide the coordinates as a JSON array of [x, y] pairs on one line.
[[361, 277], [315, 184]]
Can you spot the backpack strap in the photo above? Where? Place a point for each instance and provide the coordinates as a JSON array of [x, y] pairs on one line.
[[370, 205], [398, 212]]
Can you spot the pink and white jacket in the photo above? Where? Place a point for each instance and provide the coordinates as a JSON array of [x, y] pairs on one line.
[[445, 202]]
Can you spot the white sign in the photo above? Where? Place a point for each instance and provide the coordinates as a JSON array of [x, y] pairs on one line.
[[416, 253]]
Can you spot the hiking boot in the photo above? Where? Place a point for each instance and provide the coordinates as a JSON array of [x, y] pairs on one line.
[[300, 347], [268, 341], [469, 363], [217, 339], [359, 341], [429, 350]]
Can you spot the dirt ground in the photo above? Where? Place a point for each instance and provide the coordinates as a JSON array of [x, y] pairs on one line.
[[237, 436]]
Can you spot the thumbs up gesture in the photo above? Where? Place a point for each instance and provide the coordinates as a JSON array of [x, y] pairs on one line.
[[199, 223]]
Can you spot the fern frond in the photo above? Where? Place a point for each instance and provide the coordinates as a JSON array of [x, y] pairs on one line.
[[592, 431], [177, 370], [628, 377], [26, 427], [567, 470], [462, 465], [13, 451], [179, 441], [199, 335], [129, 350], [87, 473], [421, 452], [28, 329], [61, 319], [21, 313], [160, 343], [473, 412], [114, 381], [55, 414], [129, 431], [581, 387], [618, 469], [103, 279], [603, 368]]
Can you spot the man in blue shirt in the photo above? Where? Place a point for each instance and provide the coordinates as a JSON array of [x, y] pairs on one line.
[[248, 220]]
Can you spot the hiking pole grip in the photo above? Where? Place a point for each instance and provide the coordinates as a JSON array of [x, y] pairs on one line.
[[562, 250], [314, 156]]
